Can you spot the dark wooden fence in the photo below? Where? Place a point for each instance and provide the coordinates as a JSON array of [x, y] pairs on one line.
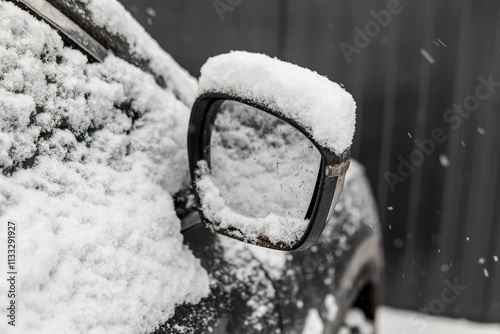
[[441, 223]]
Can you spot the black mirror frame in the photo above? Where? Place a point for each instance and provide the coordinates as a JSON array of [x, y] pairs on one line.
[[329, 182]]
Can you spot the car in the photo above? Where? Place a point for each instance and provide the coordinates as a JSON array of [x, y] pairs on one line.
[[95, 174]]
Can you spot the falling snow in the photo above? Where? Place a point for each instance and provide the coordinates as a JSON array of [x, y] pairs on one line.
[[427, 56], [440, 43], [398, 242], [443, 159], [151, 11]]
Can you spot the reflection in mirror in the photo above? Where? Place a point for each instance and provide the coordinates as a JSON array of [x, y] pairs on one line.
[[263, 172], [262, 164]]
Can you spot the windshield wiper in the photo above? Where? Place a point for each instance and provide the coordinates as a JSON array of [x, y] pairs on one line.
[[67, 28]]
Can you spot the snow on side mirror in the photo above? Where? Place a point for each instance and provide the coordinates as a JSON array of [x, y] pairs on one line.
[[269, 146]]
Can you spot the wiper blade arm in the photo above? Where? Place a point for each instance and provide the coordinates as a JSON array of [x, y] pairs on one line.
[[66, 27]]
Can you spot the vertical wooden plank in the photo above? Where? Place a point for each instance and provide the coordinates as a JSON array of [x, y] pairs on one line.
[[491, 297], [365, 76], [491, 294], [453, 179], [283, 19], [414, 250], [442, 47], [389, 60], [405, 102], [310, 40], [482, 156], [390, 89]]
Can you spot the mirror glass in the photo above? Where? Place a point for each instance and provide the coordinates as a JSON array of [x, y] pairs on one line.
[[263, 174]]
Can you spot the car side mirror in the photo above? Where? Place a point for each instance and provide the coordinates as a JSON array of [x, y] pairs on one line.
[[269, 146]]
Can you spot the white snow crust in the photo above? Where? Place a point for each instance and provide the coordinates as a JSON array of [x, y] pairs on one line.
[[262, 291], [314, 324], [99, 244], [355, 318], [331, 307], [274, 227], [273, 261], [394, 321], [322, 107]]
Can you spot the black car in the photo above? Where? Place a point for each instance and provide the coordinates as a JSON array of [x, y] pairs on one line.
[[106, 131]]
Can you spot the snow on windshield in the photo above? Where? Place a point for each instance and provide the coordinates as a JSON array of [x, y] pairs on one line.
[[263, 174], [319, 105], [90, 156]]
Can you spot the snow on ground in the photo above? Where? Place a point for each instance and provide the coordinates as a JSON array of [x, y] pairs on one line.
[[90, 156], [321, 105], [393, 321]]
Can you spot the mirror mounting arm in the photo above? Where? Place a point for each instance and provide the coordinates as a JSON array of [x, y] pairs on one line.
[[338, 169]]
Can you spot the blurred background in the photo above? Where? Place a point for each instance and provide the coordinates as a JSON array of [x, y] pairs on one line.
[[415, 69]]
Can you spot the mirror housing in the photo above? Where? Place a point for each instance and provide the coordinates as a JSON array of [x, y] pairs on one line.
[[334, 149], [328, 186]]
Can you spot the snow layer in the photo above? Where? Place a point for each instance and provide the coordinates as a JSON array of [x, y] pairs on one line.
[[394, 321], [319, 105], [356, 319], [314, 323], [276, 228], [331, 307], [90, 154], [260, 294]]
